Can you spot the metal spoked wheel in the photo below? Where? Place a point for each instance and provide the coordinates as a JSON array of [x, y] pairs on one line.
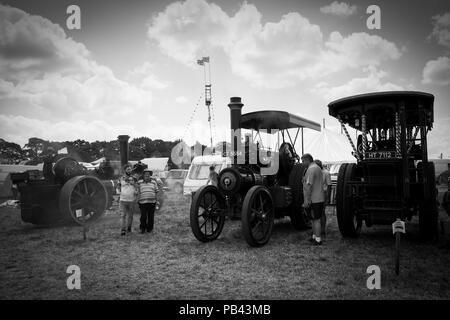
[[83, 199], [257, 216], [206, 216]]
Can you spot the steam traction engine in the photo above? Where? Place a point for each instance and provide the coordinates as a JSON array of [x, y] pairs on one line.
[[392, 180], [67, 193], [259, 186]]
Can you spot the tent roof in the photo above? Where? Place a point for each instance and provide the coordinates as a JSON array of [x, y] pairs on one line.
[[156, 164], [329, 146]]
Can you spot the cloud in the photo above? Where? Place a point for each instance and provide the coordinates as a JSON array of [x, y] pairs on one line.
[[373, 82], [144, 77], [32, 45], [360, 49], [441, 29], [274, 54], [54, 81], [20, 128], [180, 30], [181, 99], [437, 72], [340, 9]]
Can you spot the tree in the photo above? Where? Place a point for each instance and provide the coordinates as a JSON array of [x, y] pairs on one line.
[[79, 150], [144, 145], [112, 150], [35, 147], [10, 152]]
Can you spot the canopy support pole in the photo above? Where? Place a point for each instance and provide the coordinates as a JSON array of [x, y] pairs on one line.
[[355, 152], [303, 149]]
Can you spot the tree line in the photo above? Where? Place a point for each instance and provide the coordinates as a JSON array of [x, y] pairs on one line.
[[37, 149]]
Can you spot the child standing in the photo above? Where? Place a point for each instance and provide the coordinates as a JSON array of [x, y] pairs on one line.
[[127, 189], [147, 191]]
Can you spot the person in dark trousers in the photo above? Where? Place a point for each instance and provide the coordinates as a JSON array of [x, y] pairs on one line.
[[326, 179], [147, 192]]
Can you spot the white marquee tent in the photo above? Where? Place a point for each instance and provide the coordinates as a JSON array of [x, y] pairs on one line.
[[329, 146]]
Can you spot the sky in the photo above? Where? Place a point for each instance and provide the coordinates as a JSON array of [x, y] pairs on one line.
[[131, 67]]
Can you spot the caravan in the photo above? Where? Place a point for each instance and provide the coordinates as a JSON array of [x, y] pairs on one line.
[[199, 171]]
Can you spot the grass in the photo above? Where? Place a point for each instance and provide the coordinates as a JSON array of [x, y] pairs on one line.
[[170, 263]]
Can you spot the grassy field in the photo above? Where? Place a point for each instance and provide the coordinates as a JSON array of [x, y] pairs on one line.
[[171, 264]]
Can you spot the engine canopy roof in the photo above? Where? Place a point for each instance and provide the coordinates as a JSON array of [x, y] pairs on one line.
[[278, 120], [380, 108]]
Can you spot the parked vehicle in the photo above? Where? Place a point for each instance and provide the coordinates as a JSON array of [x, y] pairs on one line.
[[393, 180], [260, 185], [199, 171], [175, 179]]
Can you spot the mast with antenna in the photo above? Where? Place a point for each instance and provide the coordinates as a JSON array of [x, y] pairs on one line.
[[208, 98]]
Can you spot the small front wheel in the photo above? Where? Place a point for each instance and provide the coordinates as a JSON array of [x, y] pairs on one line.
[[206, 216]]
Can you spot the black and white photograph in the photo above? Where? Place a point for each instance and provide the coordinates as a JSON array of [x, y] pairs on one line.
[[236, 151]]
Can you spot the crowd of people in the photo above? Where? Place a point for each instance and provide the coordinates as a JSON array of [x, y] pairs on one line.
[[138, 185], [142, 188]]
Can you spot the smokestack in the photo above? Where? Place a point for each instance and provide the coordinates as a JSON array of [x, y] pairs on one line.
[[235, 106], [123, 144]]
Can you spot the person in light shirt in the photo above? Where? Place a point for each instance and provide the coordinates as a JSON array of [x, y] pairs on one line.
[[147, 195], [313, 196], [127, 189]]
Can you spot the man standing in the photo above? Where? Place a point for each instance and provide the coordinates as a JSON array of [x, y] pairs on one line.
[[326, 177], [127, 189], [148, 190], [313, 196]]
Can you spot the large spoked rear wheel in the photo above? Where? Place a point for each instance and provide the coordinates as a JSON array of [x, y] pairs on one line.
[[349, 225], [297, 214], [83, 199], [206, 215], [257, 216]]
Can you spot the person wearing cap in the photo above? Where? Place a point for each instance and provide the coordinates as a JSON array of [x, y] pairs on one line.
[[326, 179], [127, 189], [314, 199], [213, 177], [147, 196]]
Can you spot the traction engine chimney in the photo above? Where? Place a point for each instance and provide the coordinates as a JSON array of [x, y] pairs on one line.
[[235, 106]]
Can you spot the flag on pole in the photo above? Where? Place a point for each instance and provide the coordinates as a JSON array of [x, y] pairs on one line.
[[63, 151], [200, 62], [205, 59]]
